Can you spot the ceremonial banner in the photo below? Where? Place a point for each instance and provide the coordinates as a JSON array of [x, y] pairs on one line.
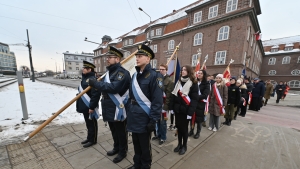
[[130, 65]]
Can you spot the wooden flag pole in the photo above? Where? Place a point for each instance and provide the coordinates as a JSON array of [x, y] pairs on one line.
[[69, 103], [175, 51]]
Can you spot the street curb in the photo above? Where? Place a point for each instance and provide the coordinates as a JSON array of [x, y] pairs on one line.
[[183, 159], [55, 83]]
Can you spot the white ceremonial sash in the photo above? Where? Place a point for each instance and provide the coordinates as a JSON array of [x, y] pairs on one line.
[[139, 96], [119, 101], [218, 98], [86, 100]]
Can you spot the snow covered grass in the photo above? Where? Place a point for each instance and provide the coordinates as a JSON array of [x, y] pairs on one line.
[[42, 100]]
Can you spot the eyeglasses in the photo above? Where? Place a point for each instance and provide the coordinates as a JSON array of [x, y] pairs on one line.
[[162, 69]]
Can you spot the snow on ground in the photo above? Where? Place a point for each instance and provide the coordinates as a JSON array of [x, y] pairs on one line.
[[42, 100]]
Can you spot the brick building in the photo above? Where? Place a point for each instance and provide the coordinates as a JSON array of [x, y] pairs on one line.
[[222, 29], [282, 61]]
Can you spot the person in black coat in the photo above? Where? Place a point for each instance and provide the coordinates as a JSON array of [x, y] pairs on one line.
[[203, 92], [185, 103], [258, 91], [244, 100], [145, 106], [234, 97], [114, 89], [89, 108], [280, 88]]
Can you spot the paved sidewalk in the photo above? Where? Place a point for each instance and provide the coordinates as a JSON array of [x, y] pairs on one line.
[[292, 99], [59, 147]]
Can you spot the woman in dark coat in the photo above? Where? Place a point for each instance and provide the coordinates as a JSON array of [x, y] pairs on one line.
[[203, 92], [244, 99], [185, 96]]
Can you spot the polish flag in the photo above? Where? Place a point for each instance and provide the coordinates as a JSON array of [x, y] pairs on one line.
[[226, 76], [257, 36]]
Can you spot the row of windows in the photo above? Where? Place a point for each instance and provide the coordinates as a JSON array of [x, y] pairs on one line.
[[4, 49], [213, 11], [294, 72], [285, 60], [158, 32], [294, 83], [276, 48], [6, 56], [7, 64]]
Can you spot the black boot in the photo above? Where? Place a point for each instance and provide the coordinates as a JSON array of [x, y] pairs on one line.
[[178, 148], [226, 122], [198, 131], [182, 150], [191, 133], [229, 123]]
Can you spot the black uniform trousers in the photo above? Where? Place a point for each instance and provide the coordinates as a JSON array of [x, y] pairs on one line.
[[255, 104], [142, 150], [182, 125], [92, 126], [279, 96], [119, 134]]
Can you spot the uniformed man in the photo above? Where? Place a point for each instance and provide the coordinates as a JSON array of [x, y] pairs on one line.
[[88, 104], [146, 90], [114, 89]]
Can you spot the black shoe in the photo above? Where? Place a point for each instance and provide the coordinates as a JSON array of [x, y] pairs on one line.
[[177, 148], [132, 167], [204, 124], [234, 118], [155, 138], [197, 135], [226, 122], [229, 123], [85, 141], [243, 115], [112, 152], [89, 144], [119, 158], [191, 133], [161, 142], [182, 150], [171, 127]]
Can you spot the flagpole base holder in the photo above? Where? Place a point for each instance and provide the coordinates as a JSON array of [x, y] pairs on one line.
[[26, 138]]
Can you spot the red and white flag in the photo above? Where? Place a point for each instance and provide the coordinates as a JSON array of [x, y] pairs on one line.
[[250, 98], [257, 36]]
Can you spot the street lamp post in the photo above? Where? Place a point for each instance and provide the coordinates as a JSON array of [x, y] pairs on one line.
[[55, 65], [149, 23]]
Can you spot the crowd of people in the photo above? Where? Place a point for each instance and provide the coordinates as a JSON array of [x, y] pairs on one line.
[[143, 103]]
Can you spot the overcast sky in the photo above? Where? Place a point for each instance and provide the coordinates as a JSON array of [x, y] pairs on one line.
[[57, 26]]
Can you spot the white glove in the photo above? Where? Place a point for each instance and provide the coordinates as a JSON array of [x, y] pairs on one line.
[[164, 111], [189, 117], [171, 111]]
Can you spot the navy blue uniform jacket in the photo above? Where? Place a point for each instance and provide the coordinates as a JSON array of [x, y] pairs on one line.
[[258, 90], [151, 84], [119, 83], [93, 94]]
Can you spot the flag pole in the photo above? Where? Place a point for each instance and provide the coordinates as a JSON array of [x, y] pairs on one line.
[[204, 63], [71, 102], [175, 51]]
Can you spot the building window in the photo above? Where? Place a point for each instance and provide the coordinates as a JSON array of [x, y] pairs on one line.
[[286, 60], [213, 11], [251, 40], [298, 59], [288, 48], [152, 33], [126, 54], [272, 72], [231, 5], [158, 32], [197, 17], [69, 63], [274, 50], [130, 41], [155, 48], [249, 32], [77, 63], [70, 68], [153, 63], [223, 33], [220, 58], [294, 83], [198, 39], [295, 72], [195, 58], [147, 35], [250, 3], [171, 44], [125, 42], [272, 61], [245, 57], [77, 68]]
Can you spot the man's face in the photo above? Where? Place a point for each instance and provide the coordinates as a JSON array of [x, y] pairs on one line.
[[256, 81], [142, 60], [110, 60], [86, 70], [162, 70], [280, 83]]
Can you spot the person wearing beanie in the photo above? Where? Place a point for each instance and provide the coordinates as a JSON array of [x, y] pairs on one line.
[[234, 97], [216, 109]]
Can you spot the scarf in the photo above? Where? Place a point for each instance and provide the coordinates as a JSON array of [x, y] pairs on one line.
[[186, 87]]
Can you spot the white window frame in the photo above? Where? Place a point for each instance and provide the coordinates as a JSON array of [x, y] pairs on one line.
[[272, 61], [250, 4], [77, 68], [155, 48], [286, 60], [147, 35], [222, 34], [251, 39], [289, 48], [298, 59], [293, 84], [130, 41], [153, 63], [213, 11], [195, 58], [274, 50], [295, 72], [171, 44], [197, 17], [125, 42], [272, 72], [232, 7], [219, 59], [198, 39], [158, 32], [245, 56], [152, 33], [249, 32]]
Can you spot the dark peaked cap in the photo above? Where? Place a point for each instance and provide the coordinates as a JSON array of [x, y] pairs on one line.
[[88, 64], [114, 51], [145, 50]]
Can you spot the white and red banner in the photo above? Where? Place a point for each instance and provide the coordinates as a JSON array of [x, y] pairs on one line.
[[219, 99], [250, 98]]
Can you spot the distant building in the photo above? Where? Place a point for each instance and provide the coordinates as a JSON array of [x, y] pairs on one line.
[[282, 61], [8, 65], [74, 61], [222, 29]]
